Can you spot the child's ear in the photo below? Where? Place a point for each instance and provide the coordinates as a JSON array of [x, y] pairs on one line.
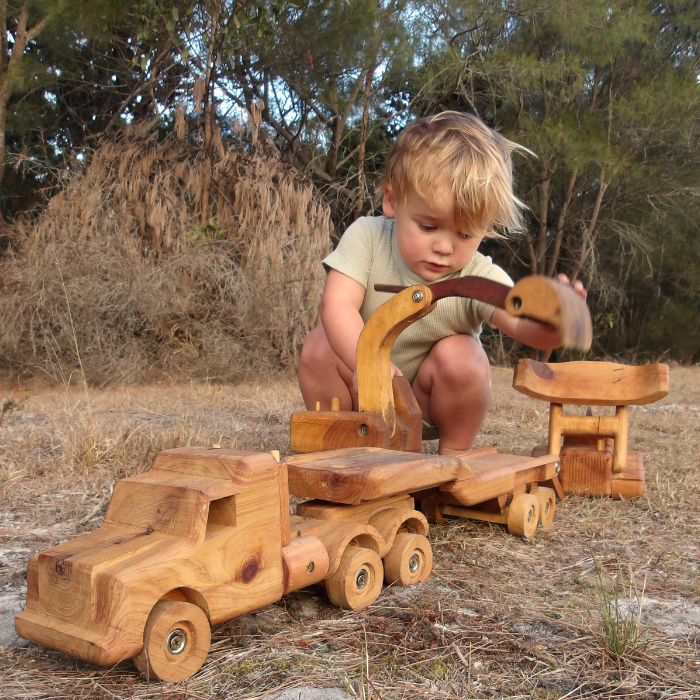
[[388, 202]]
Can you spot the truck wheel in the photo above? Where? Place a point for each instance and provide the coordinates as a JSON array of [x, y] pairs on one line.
[[547, 505], [409, 561], [176, 641], [358, 580], [523, 515]]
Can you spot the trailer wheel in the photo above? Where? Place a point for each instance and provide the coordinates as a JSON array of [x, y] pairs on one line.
[[546, 505], [523, 515], [409, 561], [358, 579], [176, 641]]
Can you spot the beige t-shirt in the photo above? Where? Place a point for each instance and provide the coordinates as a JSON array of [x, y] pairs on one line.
[[368, 253]]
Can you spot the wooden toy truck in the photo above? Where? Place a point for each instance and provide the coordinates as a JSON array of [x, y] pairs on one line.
[[511, 490], [206, 536]]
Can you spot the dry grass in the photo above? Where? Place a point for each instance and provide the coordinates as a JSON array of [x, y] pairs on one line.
[[500, 617], [120, 269]]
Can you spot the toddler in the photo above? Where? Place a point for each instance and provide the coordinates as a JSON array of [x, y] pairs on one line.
[[448, 185]]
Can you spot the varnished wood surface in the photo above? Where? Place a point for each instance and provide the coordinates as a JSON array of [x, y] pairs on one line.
[[319, 431], [591, 383], [546, 300], [374, 387], [91, 596], [495, 475], [409, 433], [365, 474]]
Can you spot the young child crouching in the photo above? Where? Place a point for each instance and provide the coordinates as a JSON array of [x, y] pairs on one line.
[[448, 185]]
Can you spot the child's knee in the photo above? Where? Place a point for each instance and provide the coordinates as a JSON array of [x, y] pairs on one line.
[[461, 360], [315, 351]]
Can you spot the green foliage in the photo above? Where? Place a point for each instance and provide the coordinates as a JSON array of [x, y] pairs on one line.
[[207, 233], [621, 632], [604, 93]]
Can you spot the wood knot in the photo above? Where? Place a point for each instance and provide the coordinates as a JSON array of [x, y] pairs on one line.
[[542, 370], [250, 568]]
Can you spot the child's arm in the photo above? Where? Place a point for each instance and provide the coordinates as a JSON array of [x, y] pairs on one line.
[[340, 315], [537, 335]]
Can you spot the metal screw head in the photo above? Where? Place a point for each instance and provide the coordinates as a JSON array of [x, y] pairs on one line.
[[362, 578], [546, 508], [414, 563], [517, 303], [417, 296], [310, 567], [177, 641], [557, 467], [364, 430]]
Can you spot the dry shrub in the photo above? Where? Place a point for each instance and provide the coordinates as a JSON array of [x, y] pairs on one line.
[[120, 271]]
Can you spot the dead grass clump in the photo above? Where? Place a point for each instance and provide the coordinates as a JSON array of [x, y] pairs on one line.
[[120, 271]]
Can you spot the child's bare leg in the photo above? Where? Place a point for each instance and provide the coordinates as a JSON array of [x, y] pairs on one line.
[[453, 390], [322, 374]]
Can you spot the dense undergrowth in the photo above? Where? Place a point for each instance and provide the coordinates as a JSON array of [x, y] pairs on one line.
[[124, 279]]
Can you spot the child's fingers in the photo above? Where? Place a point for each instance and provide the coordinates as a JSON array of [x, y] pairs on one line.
[[395, 371], [580, 289], [577, 285]]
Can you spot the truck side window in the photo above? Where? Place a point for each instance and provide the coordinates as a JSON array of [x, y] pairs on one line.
[[222, 512]]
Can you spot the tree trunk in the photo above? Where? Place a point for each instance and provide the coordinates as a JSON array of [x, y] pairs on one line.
[[9, 67]]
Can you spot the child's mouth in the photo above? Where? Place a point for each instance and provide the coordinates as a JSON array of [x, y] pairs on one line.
[[435, 267]]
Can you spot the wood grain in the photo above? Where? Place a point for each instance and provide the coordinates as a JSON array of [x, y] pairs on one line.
[[546, 300], [365, 474], [319, 431], [374, 388], [91, 596], [591, 383]]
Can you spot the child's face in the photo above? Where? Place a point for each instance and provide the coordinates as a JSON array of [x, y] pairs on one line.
[[429, 239]]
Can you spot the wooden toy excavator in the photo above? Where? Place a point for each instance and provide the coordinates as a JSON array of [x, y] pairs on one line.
[[591, 451], [511, 490]]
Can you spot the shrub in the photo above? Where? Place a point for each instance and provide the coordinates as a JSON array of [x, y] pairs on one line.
[[121, 266]]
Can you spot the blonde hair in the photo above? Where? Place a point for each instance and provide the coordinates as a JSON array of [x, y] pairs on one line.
[[475, 160]]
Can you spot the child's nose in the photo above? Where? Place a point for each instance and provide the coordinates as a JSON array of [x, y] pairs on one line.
[[442, 245]]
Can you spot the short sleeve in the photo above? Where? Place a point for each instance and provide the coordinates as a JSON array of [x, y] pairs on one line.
[[354, 254], [484, 267]]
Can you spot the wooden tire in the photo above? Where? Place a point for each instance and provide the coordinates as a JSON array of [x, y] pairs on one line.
[[523, 515], [358, 580], [547, 505], [409, 561], [176, 641]]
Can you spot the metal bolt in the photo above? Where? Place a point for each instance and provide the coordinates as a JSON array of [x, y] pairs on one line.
[[530, 513], [417, 296], [414, 563], [557, 467], [177, 641], [517, 303], [310, 567], [546, 508], [364, 430], [362, 578]]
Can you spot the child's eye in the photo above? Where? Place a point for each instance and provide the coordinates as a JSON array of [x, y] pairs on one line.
[[464, 236], [427, 227]]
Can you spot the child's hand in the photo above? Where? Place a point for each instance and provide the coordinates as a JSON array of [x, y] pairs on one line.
[[577, 285], [395, 372]]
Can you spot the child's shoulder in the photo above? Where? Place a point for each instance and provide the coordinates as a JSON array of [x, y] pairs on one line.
[[370, 224]]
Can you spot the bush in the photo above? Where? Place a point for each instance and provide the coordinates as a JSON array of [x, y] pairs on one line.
[[121, 270]]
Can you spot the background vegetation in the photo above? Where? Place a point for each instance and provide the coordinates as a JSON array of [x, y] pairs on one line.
[[170, 174]]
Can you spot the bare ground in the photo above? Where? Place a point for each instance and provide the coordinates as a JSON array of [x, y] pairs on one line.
[[499, 617]]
